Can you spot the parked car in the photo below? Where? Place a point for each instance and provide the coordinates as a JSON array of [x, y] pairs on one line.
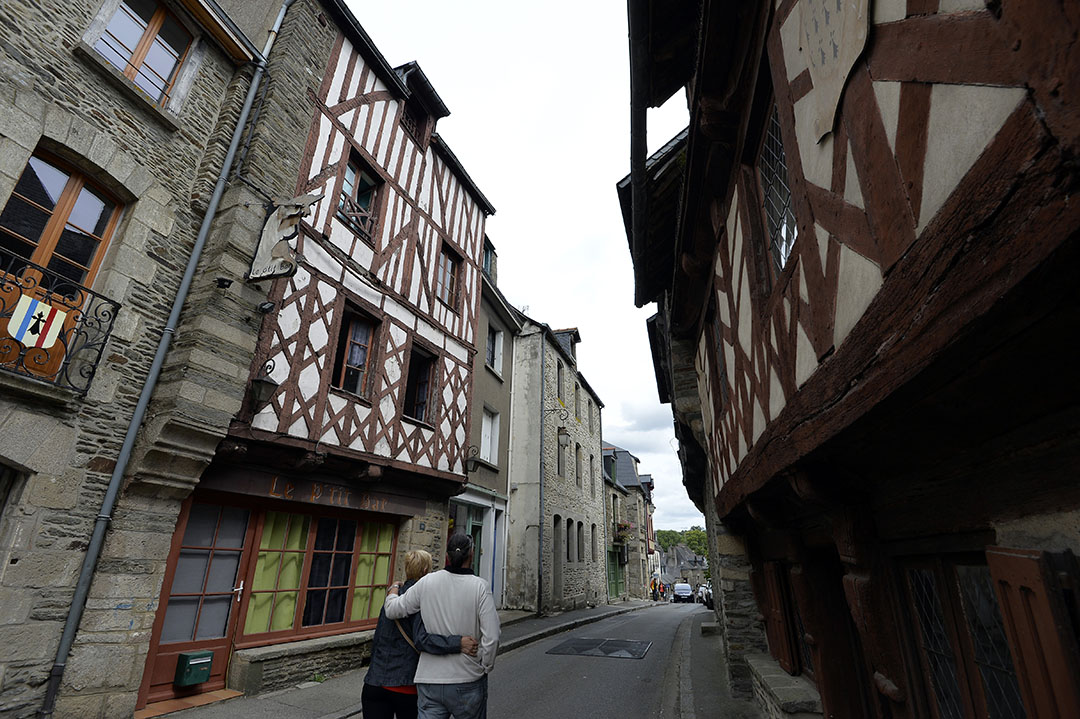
[[682, 593]]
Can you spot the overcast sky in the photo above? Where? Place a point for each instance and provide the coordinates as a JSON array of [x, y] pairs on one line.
[[539, 96]]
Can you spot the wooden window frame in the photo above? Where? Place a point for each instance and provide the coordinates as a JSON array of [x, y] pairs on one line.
[[361, 166], [350, 317], [765, 278], [969, 681], [448, 276], [134, 64], [408, 405], [298, 632], [45, 244], [415, 121]]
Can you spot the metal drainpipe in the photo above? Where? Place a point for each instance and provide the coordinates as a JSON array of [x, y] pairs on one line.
[[638, 142], [540, 521], [97, 539]]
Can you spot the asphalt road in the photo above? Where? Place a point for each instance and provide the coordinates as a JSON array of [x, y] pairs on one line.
[[529, 683]]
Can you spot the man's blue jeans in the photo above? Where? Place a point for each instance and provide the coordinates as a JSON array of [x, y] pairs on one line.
[[461, 701]]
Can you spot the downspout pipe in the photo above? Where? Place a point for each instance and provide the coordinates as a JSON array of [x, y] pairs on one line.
[[108, 504], [639, 47], [540, 522]]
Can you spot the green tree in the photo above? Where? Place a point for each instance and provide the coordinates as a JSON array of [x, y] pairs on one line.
[[696, 541], [668, 538]]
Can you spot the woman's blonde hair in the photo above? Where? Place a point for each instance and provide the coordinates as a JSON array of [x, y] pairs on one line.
[[417, 563]]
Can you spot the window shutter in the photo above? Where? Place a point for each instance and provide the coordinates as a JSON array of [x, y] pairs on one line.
[[777, 627], [1042, 642], [485, 437]]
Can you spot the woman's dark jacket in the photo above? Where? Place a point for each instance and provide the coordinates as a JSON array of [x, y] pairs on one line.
[[393, 661]]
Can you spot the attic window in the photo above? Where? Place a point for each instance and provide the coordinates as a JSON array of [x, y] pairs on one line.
[[414, 120]]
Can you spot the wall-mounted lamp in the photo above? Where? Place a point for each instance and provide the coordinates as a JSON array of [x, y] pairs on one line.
[[564, 437], [265, 307], [472, 461], [263, 386]]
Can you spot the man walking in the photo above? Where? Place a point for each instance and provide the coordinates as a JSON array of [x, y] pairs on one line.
[[453, 601]]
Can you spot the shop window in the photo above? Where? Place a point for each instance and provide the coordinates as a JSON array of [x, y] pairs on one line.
[[489, 436], [353, 363], [148, 44], [447, 276], [963, 649], [418, 385], [316, 571], [494, 355], [357, 199], [58, 219]]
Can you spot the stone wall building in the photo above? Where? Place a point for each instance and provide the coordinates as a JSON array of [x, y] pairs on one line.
[[269, 440], [617, 548], [863, 251], [555, 551], [109, 164], [481, 509], [631, 513]]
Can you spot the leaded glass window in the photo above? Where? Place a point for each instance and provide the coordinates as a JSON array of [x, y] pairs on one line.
[[776, 193]]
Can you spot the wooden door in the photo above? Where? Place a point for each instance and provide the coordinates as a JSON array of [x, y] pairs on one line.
[[200, 598]]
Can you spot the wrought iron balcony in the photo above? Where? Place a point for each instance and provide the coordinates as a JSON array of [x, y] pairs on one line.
[[51, 328]]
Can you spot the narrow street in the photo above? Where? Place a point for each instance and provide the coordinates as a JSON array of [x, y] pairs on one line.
[[680, 675]]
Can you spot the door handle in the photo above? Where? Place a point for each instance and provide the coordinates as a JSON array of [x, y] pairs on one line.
[[238, 591]]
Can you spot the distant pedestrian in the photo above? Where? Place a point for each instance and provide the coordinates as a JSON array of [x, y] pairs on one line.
[[452, 601], [389, 686]]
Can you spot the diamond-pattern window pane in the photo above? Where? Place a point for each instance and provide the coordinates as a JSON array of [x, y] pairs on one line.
[[772, 166], [991, 646], [935, 643]]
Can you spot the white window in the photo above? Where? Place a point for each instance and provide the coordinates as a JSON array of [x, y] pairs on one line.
[[489, 437], [494, 356]]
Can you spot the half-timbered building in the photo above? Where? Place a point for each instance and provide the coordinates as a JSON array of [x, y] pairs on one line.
[[863, 252], [354, 434]]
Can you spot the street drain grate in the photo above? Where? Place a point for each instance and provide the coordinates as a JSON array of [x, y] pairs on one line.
[[619, 648]]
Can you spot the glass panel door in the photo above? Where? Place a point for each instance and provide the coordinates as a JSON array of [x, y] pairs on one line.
[[201, 597]]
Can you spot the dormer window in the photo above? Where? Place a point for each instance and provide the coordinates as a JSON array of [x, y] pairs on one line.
[[414, 120]]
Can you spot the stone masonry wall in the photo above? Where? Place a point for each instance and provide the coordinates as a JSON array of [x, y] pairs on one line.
[[584, 582], [65, 446], [203, 383]]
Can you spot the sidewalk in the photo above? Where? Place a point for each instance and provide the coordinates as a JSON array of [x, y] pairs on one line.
[[339, 697]]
